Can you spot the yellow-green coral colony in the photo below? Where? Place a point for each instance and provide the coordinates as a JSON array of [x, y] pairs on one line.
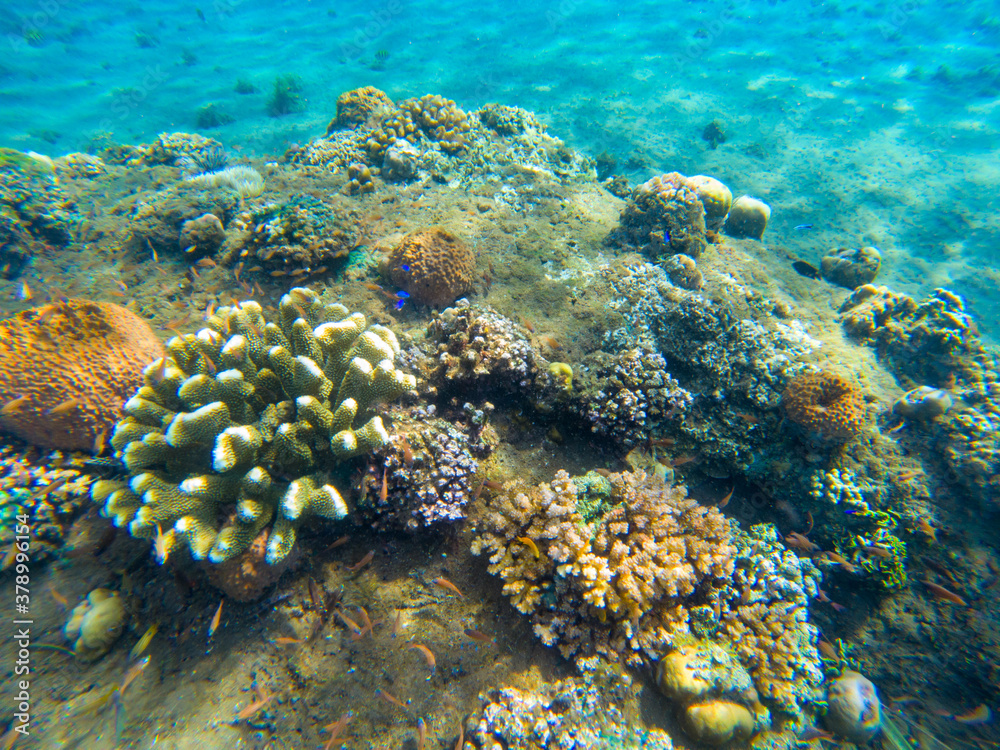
[[238, 407]]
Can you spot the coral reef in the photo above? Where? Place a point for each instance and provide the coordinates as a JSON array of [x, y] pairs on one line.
[[34, 210], [664, 217], [714, 196], [433, 265], [826, 404], [765, 619], [684, 272], [246, 181], [424, 476], [358, 106], [934, 342], [853, 708], [77, 165], [748, 217], [95, 624], [923, 404], [618, 587], [480, 351], [635, 575], [336, 151], [359, 179], [66, 369], [50, 490], [508, 120], [203, 235], [238, 423], [171, 148], [627, 395], [730, 350], [851, 268], [713, 691], [437, 119], [585, 713], [300, 236], [158, 219]]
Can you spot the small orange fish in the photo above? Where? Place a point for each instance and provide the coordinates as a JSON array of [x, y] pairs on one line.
[[446, 584], [404, 445], [24, 293], [550, 342], [206, 263], [841, 561], [940, 592], [389, 697], [925, 528], [979, 715], [421, 734], [160, 544], [254, 707], [100, 442], [827, 651], [353, 626], [681, 460], [477, 635], [362, 562], [397, 624], [63, 407], [528, 542], [134, 671], [725, 501], [460, 744], [50, 488], [798, 541], [339, 542], [121, 285], [336, 728], [214, 625], [236, 271], [286, 641], [383, 493], [877, 551], [61, 600], [371, 287], [277, 274], [428, 656]]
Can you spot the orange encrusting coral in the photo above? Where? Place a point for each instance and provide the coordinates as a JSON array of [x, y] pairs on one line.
[[75, 362], [826, 403]]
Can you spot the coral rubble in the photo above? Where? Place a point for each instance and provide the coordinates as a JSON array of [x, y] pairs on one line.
[[237, 425]]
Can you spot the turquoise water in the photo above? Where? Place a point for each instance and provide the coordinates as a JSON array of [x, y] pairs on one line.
[[875, 123], [859, 123]]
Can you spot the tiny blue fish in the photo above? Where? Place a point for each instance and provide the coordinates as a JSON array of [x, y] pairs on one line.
[[406, 269], [403, 295], [400, 303], [804, 226]]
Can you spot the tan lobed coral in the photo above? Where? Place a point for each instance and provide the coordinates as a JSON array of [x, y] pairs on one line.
[[434, 266], [356, 106], [67, 368], [618, 584], [826, 403]]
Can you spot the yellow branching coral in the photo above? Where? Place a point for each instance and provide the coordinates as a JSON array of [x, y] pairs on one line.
[[617, 585]]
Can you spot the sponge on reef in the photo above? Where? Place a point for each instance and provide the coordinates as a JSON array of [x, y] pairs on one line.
[[233, 430], [66, 369]]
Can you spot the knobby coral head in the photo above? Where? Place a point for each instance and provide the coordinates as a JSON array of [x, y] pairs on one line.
[[827, 404]]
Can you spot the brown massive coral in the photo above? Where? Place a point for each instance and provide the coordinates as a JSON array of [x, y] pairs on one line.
[[665, 216], [826, 403], [356, 106], [67, 368], [434, 266]]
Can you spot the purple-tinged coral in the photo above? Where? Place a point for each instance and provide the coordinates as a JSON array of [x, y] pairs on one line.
[[428, 468]]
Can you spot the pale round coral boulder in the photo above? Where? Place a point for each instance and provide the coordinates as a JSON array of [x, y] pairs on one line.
[[714, 196], [95, 624], [747, 218], [853, 708], [717, 722]]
